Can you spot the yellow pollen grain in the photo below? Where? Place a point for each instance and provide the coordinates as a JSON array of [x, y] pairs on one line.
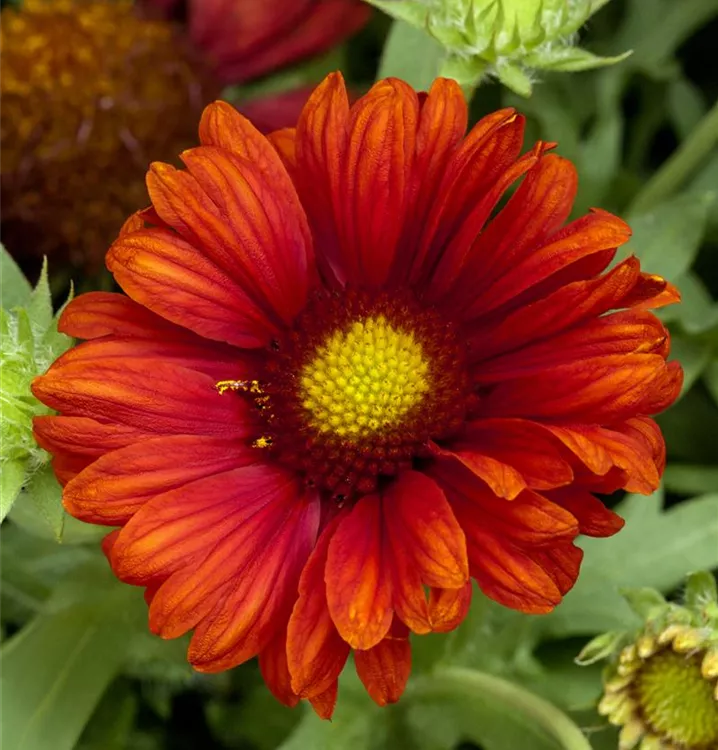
[[364, 379]]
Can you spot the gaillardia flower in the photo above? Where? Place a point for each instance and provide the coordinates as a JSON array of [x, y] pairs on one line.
[[338, 389], [92, 91], [662, 686]]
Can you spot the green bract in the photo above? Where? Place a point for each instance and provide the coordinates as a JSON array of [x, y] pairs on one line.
[[30, 342], [508, 39]]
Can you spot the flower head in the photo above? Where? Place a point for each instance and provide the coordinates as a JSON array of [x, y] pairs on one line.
[[662, 687], [508, 39], [92, 91], [338, 389]]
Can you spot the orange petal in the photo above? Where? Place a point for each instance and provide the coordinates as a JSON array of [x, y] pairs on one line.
[[590, 235], [560, 310], [164, 399], [597, 389], [315, 650], [359, 589], [600, 448], [83, 436], [172, 278], [97, 314], [385, 669], [561, 562], [116, 486], [442, 124], [324, 703], [594, 518], [449, 607], [422, 526], [285, 144], [377, 169], [651, 292], [527, 446]]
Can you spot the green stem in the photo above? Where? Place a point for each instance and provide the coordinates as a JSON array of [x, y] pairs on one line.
[[687, 157], [453, 683]]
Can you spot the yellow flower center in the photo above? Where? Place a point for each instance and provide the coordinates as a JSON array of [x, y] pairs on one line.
[[677, 701], [364, 379]]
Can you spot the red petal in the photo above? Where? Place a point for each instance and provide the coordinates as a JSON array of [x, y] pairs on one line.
[[83, 436], [316, 652], [600, 449], [321, 142], [273, 666], [172, 278], [422, 526], [503, 479], [526, 446], [627, 332], [442, 124], [561, 562], [359, 591], [116, 486], [597, 389], [385, 669], [566, 307], [324, 703], [97, 314], [162, 399], [651, 292], [590, 235], [449, 607], [594, 518], [375, 182]]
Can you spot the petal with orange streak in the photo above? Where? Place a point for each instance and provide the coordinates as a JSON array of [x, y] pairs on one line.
[[537, 209], [321, 143], [359, 591], [384, 669], [263, 590], [567, 306], [227, 209], [284, 142], [473, 181], [83, 436], [97, 314], [162, 399], [376, 178], [594, 518], [651, 292], [449, 607], [561, 562], [590, 235], [172, 278], [604, 389], [600, 448], [273, 666], [219, 361], [316, 652], [118, 484], [625, 332], [526, 446], [529, 519], [442, 124], [421, 524], [503, 479]]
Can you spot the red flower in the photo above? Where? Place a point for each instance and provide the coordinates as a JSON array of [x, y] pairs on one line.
[[246, 39], [411, 392]]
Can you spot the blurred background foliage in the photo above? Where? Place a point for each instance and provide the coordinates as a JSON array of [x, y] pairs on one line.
[[78, 666]]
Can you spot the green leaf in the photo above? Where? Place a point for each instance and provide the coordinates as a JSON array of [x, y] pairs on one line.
[[39, 509], [694, 355], [697, 312], [666, 238], [39, 306], [600, 647], [412, 55], [111, 724], [710, 377], [12, 476], [690, 479], [572, 60], [655, 549], [644, 601], [56, 669], [14, 287], [701, 589]]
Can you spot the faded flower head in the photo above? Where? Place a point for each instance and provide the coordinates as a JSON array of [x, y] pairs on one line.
[[508, 39], [341, 386], [662, 685]]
